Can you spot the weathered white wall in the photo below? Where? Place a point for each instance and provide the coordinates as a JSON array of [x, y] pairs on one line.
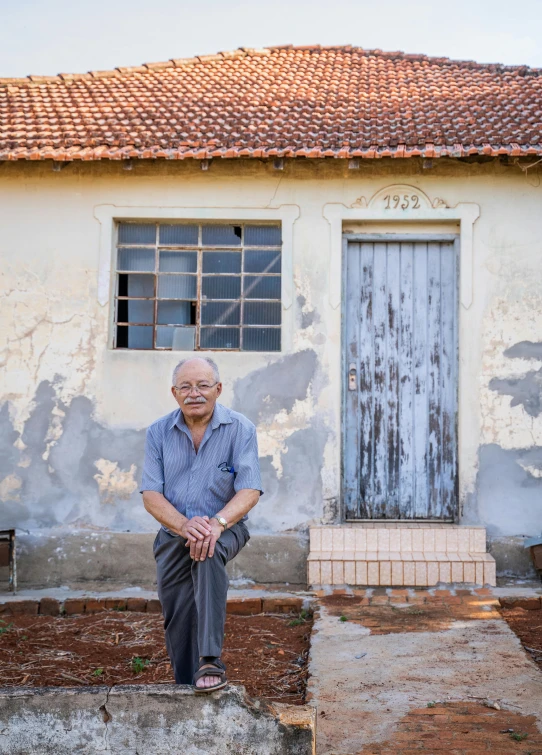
[[74, 411]]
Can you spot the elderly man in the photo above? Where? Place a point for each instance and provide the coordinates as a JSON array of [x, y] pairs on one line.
[[200, 479]]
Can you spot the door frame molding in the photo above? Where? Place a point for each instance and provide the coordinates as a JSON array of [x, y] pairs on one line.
[[464, 213], [422, 236]]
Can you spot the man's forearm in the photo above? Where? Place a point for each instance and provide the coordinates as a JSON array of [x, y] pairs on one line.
[[240, 504], [163, 511]]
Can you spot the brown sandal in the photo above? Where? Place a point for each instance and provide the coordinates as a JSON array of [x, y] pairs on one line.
[[216, 668]]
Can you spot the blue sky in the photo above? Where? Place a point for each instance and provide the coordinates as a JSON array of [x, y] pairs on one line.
[[76, 35]]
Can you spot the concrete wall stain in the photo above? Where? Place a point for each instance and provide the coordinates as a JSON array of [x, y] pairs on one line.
[[508, 497], [63, 488], [265, 392], [525, 350], [525, 391]]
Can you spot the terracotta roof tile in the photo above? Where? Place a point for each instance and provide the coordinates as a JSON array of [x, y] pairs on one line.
[[278, 102]]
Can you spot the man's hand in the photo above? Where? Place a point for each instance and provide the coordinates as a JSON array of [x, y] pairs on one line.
[[195, 530], [202, 549]]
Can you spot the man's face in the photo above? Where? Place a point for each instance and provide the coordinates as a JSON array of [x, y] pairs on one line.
[[196, 391]]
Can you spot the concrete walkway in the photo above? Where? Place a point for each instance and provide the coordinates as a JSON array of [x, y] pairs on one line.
[[398, 671]]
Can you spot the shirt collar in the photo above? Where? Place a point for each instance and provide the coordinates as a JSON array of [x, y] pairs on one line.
[[221, 416]]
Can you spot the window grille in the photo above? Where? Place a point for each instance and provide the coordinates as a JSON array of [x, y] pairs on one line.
[[204, 286]]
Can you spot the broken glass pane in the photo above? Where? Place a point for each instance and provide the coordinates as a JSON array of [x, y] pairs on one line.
[[136, 285], [261, 339], [263, 235], [261, 261], [219, 338], [134, 336], [178, 235], [261, 313], [220, 313], [176, 312], [177, 286], [221, 262], [137, 233], [178, 262], [221, 235], [220, 287], [257, 287], [135, 258]]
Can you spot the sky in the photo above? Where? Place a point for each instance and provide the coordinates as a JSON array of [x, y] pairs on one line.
[[46, 37]]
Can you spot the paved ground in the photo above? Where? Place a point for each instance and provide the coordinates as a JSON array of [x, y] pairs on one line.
[[405, 671]]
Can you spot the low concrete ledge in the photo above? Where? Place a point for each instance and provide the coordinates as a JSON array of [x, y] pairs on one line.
[[152, 719]]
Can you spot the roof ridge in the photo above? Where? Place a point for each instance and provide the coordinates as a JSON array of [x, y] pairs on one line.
[[242, 52]]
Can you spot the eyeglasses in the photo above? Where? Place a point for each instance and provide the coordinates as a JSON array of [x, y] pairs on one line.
[[199, 388]]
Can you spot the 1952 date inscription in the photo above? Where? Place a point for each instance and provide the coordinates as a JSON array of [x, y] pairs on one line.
[[401, 202]]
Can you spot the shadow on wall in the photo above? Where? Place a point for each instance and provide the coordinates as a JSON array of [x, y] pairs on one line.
[[88, 476]]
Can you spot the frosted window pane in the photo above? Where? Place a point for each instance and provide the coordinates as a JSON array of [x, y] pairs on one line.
[[221, 262], [260, 261], [263, 235], [178, 235], [219, 338], [174, 312], [221, 235], [224, 287], [137, 233], [139, 285], [139, 337], [140, 311], [135, 258], [262, 313], [164, 337], [178, 262], [220, 313], [256, 287], [177, 286], [261, 339]]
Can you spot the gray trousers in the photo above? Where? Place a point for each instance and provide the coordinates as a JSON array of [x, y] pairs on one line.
[[193, 596]]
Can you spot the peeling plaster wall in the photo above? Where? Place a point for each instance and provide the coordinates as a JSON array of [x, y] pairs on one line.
[[73, 412]]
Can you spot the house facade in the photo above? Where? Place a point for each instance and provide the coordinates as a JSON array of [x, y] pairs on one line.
[[354, 236]]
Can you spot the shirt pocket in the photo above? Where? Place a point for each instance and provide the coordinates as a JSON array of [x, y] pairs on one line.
[[222, 485]]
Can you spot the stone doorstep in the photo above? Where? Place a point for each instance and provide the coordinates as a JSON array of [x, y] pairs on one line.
[[399, 537], [387, 569], [77, 606]]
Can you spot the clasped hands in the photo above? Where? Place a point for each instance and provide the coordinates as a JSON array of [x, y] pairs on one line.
[[201, 534]]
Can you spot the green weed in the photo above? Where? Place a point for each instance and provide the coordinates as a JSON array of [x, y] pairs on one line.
[[97, 672], [139, 664], [4, 627], [343, 618], [518, 737]]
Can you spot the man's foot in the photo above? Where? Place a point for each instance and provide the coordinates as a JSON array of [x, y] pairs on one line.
[[207, 681]]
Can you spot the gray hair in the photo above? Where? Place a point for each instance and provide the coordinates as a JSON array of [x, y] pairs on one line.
[[210, 362]]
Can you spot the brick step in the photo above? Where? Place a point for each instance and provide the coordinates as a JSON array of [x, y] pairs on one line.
[[394, 569], [399, 537]]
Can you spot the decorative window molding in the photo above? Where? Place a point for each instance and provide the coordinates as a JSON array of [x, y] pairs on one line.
[[110, 215]]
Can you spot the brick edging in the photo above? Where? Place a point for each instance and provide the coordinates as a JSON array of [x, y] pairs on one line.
[[78, 606]]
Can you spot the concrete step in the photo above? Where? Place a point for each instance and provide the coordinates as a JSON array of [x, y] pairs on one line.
[[399, 555], [408, 537]]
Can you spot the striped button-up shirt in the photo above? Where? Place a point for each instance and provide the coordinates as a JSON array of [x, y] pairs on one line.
[[201, 484]]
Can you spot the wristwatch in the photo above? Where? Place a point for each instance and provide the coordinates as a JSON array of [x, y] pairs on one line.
[[222, 521]]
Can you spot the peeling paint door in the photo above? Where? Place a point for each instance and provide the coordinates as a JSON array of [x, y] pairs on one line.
[[400, 375]]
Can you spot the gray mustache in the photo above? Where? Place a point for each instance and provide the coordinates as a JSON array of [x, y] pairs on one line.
[[198, 400]]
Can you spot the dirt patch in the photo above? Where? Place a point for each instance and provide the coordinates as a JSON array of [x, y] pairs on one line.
[[268, 654], [462, 728], [527, 625], [413, 613]]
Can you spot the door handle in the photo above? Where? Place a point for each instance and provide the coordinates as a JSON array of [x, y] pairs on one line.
[[352, 377]]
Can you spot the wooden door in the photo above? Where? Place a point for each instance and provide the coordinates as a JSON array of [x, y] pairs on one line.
[[400, 375]]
